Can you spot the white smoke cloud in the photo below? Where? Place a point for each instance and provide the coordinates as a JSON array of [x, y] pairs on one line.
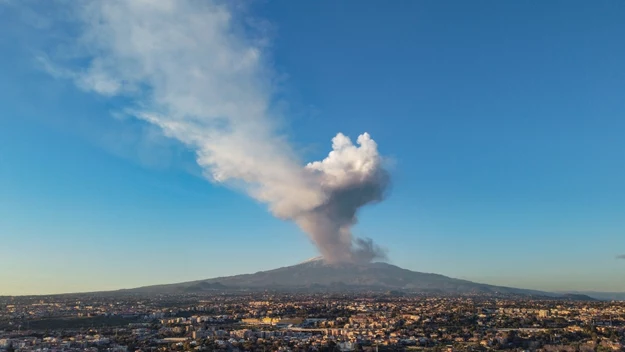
[[193, 71], [350, 177]]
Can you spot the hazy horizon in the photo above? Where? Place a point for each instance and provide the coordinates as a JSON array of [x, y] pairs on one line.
[[152, 143], [523, 283], [513, 283]]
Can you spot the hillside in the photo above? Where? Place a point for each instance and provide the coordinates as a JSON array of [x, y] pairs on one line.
[[318, 275]]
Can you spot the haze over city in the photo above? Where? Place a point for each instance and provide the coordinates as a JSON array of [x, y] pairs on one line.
[[146, 143]]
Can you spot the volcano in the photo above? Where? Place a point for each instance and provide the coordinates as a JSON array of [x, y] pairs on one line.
[[315, 274]]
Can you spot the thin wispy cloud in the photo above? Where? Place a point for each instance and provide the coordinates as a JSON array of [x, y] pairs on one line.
[[620, 256], [200, 75]]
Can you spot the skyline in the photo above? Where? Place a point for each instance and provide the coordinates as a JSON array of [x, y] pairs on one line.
[[501, 124]]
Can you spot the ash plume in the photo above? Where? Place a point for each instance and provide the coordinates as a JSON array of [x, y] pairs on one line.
[[350, 177], [203, 77]]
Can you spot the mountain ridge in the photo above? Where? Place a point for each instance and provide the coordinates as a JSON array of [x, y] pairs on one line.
[[315, 274]]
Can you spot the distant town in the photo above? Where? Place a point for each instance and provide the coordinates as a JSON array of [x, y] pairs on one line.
[[274, 321]]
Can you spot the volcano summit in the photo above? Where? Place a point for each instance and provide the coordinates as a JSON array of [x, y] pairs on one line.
[[317, 274]]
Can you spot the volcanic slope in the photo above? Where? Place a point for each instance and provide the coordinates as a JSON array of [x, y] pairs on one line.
[[315, 274]]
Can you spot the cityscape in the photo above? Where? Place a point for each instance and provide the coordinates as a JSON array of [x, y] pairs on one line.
[[274, 321]]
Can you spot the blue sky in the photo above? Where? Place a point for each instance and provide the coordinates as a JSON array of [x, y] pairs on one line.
[[504, 122]]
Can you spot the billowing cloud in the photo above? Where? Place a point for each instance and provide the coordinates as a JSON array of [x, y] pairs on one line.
[[193, 70]]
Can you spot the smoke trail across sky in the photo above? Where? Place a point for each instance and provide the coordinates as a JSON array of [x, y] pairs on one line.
[[192, 70]]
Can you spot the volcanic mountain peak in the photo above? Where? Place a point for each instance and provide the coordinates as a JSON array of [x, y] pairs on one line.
[[316, 274], [319, 261]]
